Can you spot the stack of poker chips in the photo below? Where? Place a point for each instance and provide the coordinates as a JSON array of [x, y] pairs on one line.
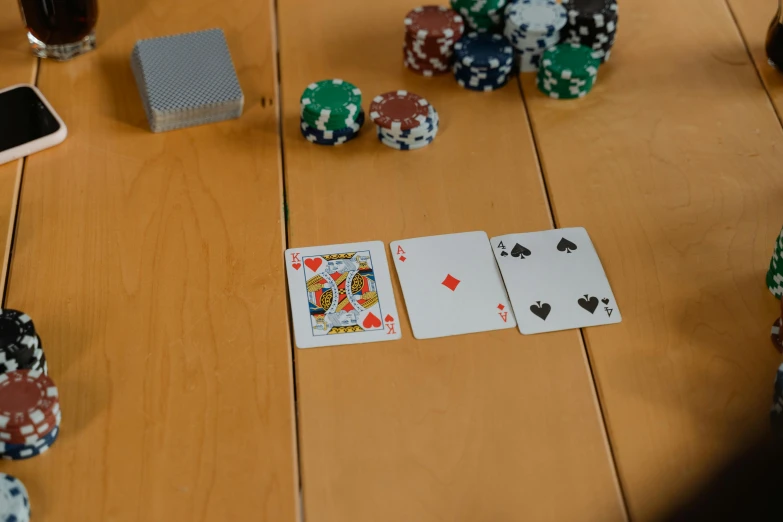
[[20, 344], [14, 500], [775, 272], [29, 414], [186, 80], [481, 16], [331, 112], [592, 23], [404, 120], [532, 27], [430, 33], [567, 71], [483, 62], [776, 413]]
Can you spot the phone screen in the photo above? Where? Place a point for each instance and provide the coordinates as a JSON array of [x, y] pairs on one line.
[[23, 118]]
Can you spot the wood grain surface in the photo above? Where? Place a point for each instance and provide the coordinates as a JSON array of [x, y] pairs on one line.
[[672, 164], [491, 426], [17, 65], [152, 267]]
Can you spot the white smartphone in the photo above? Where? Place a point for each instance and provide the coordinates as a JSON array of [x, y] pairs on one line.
[[28, 123]]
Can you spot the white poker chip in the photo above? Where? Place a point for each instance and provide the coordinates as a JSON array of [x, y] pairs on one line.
[[14, 500]]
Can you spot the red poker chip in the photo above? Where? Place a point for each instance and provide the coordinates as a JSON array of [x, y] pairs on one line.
[[427, 50], [30, 434], [27, 397], [777, 341], [434, 21], [399, 110]]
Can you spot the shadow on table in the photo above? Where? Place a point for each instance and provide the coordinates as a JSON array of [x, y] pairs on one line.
[[748, 488]]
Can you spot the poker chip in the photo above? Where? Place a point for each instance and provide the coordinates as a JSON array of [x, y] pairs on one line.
[[331, 112], [18, 339], [777, 341], [328, 137], [413, 138], [775, 272], [567, 71], [532, 27], [326, 99], [14, 500], [30, 415], [26, 451], [593, 24], [776, 412], [399, 110], [480, 15], [483, 62]]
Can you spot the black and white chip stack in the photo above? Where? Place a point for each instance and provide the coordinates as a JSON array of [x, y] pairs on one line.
[[592, 23], [532, 27], [20, 345]]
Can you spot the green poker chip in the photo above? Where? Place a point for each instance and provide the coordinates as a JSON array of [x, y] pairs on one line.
[[567, 60], [563, 89], [332, 123], [329, 99]]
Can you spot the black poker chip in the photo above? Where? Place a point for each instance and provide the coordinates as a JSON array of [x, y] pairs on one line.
[[18, 339]]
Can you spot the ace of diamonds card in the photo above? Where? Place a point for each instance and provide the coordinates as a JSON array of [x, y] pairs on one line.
[[451, 284], [341, 294]]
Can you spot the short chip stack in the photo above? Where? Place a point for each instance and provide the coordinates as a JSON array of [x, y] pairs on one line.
[[483, 62], [14, 500], [775, 272], [533, 26], [567, 71], [331, 112], [405, 121], [592, 23], [29, 414], [430, 34], [481, 15], [20, 345]]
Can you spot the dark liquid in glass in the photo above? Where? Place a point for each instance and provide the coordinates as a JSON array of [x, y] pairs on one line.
[[775, 42], [60, 22]]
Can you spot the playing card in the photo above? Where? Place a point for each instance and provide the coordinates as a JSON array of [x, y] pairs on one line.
[[341, 294], [451, 285], [555, 280]]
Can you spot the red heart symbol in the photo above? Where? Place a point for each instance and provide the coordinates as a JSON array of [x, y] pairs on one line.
[[371, 321], [313, 263], [388, 318], [297, 266]]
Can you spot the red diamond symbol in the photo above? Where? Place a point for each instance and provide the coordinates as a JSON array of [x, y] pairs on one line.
[[402, 259], [501, 307], [451, 282]]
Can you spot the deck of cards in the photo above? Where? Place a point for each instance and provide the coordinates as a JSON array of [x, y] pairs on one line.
[[186, 80], [453, 284]]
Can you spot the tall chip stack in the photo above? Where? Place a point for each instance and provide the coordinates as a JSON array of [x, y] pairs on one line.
[[20, 345], [592, 23], [483, 62], [29, 414], [567, 71], [482, 16], [14, 500], [532, 27], [430, 34], [775, 272], [331, 112]]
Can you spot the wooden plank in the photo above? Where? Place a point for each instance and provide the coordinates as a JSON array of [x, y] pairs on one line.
[[151, 265], [492, 426], [673, 166], [19, 66]]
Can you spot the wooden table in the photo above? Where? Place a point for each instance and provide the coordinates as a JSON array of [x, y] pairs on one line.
[[152, 265]]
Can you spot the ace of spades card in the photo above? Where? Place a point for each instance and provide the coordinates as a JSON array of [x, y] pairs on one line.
[[555, 280], [451, 285], [341, 294]]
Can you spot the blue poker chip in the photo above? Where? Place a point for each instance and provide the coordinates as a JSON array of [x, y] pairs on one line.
[[26, 451], [14, 500], [486, 81], [399, 145], [484, 50], [334, 137]]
